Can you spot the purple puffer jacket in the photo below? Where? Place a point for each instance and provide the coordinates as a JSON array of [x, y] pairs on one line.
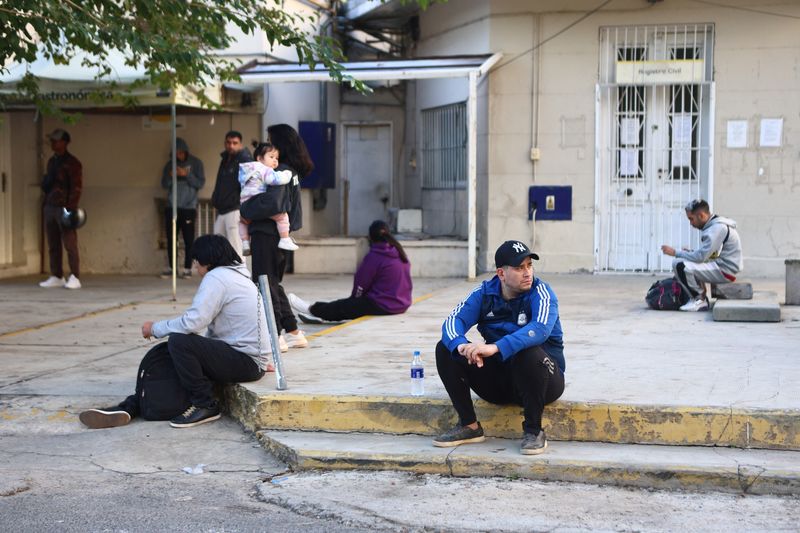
[[384, 278]]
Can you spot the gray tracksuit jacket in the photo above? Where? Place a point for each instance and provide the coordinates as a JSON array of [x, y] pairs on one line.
[[719, 242], [226, 307]]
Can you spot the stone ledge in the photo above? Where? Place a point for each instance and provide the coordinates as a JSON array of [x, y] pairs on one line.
[[563, 420], [763, 307], [676, 468]]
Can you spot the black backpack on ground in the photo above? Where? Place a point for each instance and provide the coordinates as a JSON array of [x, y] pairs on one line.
[[666, 295], [158, 390]]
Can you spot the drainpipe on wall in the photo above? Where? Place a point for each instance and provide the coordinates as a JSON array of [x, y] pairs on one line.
[[535, 69]]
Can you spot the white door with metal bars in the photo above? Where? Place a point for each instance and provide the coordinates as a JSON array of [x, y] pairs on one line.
[[654, 125]]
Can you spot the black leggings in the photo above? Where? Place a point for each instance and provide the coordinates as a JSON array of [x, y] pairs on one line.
[[270, 260], [346, 309], [185, 227], [530, 378]]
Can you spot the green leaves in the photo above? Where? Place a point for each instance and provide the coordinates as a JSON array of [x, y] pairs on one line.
[[176, 42]]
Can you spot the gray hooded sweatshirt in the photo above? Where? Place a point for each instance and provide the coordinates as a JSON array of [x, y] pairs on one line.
[[719, 242], [226, 307], [187, 185]]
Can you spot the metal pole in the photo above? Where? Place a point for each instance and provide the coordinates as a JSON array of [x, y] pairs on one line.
[[174, 227], [472, 173], [263, 286]]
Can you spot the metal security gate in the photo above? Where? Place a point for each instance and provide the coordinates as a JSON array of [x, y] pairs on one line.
[[654, 131]]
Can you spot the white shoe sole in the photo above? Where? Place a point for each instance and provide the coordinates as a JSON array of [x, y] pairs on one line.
[[536, 451], [293, 345], [452, 444], [193, 424], [99, 419]]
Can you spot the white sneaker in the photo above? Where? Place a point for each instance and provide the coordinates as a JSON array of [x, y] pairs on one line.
[[313, 319], [296, 340], [282, 344], [287, 243], [695, 304], [298, 304], [52, 281], [245, 248], [72, 282]]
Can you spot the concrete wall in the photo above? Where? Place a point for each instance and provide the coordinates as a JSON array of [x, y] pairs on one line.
[[122, 164], [545, 98]]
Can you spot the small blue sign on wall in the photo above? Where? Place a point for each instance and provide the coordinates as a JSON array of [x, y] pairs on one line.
[[320, 139], [550, 202]]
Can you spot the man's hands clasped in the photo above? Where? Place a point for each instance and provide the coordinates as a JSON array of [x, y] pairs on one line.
[[476, 352]]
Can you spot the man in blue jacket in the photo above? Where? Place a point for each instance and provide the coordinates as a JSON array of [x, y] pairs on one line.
[[522, 359]]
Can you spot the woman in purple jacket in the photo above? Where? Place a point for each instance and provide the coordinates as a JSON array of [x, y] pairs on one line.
[[382, 285]]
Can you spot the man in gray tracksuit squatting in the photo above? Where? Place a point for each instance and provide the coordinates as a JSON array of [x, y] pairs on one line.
[[717, 260]]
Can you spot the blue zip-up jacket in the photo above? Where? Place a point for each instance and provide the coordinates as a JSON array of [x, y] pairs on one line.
[[513, 325]]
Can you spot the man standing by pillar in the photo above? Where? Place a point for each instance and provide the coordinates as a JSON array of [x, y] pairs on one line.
[[191, 178], [227, 190], [62, 186]]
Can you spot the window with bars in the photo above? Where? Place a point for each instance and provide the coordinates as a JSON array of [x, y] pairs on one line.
[[444, 147], [684, 114], [630, 119]]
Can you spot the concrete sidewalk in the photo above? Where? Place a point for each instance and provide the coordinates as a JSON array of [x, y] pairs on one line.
[[633, 375]]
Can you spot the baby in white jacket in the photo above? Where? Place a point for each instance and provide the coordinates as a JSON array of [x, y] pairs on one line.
[[254, 178]]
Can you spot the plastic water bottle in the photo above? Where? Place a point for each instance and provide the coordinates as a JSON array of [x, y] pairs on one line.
[[417, 375]]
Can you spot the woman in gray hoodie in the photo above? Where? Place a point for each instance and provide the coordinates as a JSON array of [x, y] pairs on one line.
[[221, 338]]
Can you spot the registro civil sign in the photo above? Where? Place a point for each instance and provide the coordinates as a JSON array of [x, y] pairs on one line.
[[660, 72]]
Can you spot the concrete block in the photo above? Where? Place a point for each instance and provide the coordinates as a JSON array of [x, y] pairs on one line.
[[763, 307], [792, 281], [409, 221], [732, 291]]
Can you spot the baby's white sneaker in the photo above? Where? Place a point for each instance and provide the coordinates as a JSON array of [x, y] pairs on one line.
[[286, 243]]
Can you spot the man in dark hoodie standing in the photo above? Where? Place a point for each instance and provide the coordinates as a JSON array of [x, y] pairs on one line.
[[191, 178], [62, 187], [227, 190]]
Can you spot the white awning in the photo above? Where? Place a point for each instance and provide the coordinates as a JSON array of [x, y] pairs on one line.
[[70, 85], [469, 67], [384, 70]]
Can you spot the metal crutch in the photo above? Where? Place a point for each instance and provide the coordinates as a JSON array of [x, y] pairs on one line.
[[263, 286]]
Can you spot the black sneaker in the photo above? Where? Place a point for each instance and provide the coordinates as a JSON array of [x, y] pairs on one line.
[[459, 435], [194, 416], [533, 443], [109, 417]]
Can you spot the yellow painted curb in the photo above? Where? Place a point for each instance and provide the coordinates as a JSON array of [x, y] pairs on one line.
[[570, 421]]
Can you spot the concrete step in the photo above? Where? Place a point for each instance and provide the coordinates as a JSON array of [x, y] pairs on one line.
[[764, 307], [740, 290], [435, 258], [663, 467], [563, 420]]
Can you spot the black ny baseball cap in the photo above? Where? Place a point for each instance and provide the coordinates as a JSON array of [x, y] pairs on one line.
[[512, 253]]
